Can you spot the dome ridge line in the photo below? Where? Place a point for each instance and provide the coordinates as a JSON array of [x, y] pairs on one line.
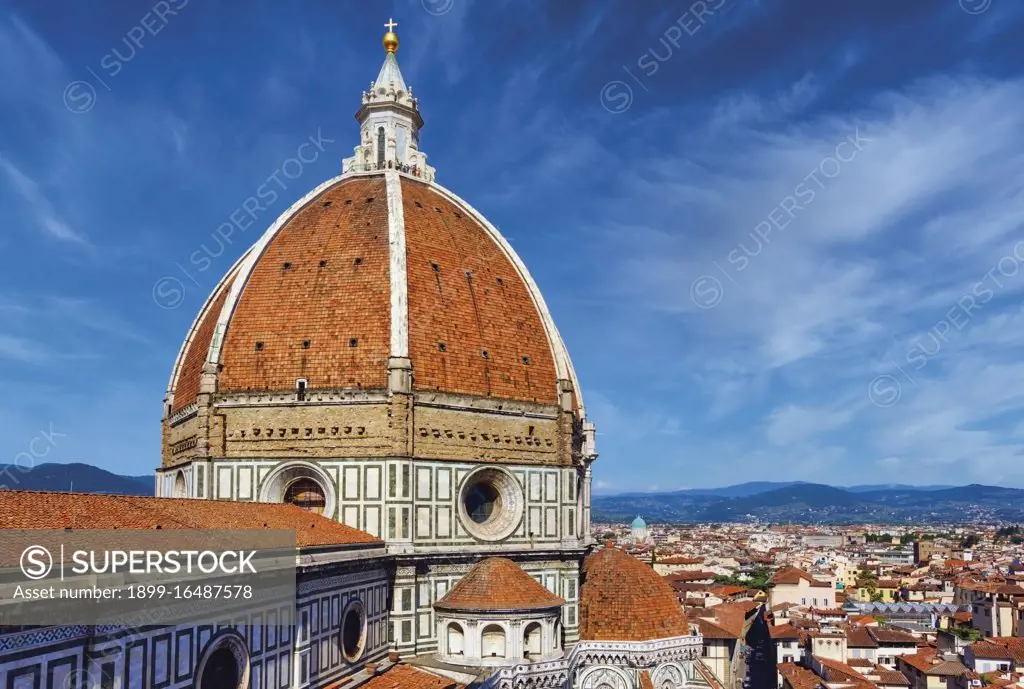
[[179, 361], [559, 352], [397, 267], [252, 258]]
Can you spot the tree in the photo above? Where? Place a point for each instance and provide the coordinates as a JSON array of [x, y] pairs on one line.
[[966, 633], [970, 541], [876, 597]]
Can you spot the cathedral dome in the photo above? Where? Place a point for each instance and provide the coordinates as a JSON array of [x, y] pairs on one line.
[[623, 599], [365, 269], [497, 583]]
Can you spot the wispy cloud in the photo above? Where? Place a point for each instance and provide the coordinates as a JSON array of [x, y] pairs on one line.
[[42, 210]]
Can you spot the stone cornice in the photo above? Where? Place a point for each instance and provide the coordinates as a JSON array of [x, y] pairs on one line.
[[632, 654]]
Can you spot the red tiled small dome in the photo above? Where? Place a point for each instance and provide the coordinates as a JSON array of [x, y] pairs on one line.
[[497, 583], [625, 600]]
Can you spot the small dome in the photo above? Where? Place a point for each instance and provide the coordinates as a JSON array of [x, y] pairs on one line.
[[623, 599], [497, 583], [638, 523]]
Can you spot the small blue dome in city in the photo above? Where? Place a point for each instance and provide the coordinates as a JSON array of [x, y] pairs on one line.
[[638, 523]]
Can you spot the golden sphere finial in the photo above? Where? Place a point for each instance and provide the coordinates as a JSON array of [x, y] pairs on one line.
[[390, 38]]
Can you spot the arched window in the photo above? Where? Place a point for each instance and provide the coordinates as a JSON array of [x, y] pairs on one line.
[[221, 670], [381, 142], [532, 640], [224, 664], [456, 640], [307, 494], [180, 487], [492, 642]]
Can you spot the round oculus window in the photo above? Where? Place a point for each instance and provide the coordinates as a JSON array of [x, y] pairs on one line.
[[491, 504], [353, 631]]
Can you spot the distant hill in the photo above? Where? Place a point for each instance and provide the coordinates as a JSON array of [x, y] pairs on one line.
[[82, 478], [742, 490], [816, 503], [893, 486]]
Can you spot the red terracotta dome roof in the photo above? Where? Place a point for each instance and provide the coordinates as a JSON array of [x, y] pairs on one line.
[[497, 583], [365, 269], [623, 599]]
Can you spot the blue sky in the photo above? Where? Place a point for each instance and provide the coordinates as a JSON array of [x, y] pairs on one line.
[[780, 238]]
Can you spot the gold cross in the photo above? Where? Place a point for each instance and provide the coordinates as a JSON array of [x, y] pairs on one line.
[[390, 26]]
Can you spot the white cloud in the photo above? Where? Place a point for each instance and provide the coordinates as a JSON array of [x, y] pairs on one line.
[[39, 206], [794, 424]]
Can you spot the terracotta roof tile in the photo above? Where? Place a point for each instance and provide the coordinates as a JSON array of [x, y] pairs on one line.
[[407, 677], [711, 630], [835, 671], [1014, 644], [623, 599], [186, 389], [890, 677], [473, 301], [891, 636], [991, 651], [798, 677], [497, 583], [307, 286], [858, 637], [793, 575], [46, 510], [783, 631]]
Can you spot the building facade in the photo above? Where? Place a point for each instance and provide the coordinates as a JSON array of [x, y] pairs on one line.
[[381, 362]]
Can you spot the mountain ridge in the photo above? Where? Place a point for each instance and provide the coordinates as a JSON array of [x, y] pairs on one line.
[[801, 502], [74, 476]]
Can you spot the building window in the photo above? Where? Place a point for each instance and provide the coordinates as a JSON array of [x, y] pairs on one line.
[[491, 504], [492, 642], [531, 640], [306, 494], [456, 640], [353, 631], [225, 666], [481, 500], [381, 141]]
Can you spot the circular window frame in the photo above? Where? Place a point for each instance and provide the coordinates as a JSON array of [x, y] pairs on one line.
[[353, 606], [234, 642], [508, 514], [273, 487], [289, 483]]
